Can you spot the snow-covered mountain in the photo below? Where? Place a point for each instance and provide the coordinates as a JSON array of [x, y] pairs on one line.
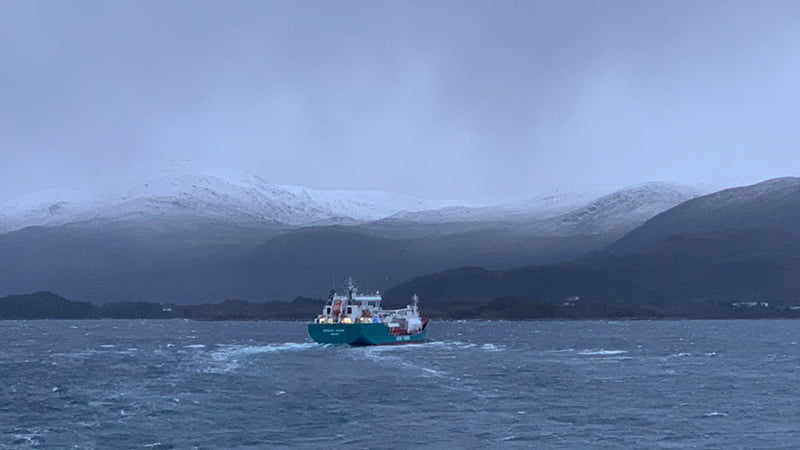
[[536, 208], [619, 211], [240, 199], [772, 205], [183, 200], [201, 237], [569, 214]]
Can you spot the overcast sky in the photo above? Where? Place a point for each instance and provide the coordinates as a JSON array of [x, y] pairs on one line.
[[449, 99]]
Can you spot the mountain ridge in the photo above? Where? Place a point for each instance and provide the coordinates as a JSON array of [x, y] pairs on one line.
[[251, 201], [768, 204], [737, 245], [243, 198], [206, 246]]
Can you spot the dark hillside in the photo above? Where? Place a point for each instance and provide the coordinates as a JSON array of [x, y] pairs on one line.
[[735, 265], [43, 305], [773, 204]]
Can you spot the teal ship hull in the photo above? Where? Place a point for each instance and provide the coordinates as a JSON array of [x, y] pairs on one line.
[[358, 334]]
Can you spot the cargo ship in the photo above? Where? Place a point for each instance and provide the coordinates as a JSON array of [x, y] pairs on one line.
[[356, 319]]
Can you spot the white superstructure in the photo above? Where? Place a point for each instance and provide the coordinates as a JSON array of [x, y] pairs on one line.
[[353, 307]]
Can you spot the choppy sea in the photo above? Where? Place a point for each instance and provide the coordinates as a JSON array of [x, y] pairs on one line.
[[585, 384]]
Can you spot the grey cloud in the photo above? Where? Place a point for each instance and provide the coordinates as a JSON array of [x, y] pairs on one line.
[[445, 99]]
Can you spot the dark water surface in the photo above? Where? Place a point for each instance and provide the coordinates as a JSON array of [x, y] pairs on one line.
[[182, 384]]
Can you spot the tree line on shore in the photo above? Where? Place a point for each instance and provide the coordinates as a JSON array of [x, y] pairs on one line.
[[47, 305]]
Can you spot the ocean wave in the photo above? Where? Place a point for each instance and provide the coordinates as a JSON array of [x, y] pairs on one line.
[[80, 354], [416, 346], [26, 440], [386, 356], [602, 352], [225, 349], [226, 358], [450, 344], [492, 348], [508, 438]]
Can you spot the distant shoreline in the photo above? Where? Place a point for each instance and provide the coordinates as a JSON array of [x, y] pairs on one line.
[[47, 305], [436, 319]]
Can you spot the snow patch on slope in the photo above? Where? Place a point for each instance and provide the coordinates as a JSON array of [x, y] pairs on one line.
[[622, 210], [540, 207]]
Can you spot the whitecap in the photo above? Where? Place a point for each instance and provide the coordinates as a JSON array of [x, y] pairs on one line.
[[226, 358], [715, 414], [269, 348], [561, 350], [434, 372], [194, 346], [449, 344], [602, 352], [222, 368], [491, 348], [385, 355], [107, 346], [30, 440]]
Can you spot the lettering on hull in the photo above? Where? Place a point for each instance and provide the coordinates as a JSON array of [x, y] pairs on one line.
[[332, 331]]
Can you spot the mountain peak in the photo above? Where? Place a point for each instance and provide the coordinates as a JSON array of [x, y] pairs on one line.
[[621, 210]]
